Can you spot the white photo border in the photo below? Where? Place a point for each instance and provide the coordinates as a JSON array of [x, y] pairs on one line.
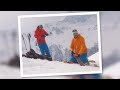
[[59, 14]]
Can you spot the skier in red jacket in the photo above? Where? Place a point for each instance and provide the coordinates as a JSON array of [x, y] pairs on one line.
[[40, 35]]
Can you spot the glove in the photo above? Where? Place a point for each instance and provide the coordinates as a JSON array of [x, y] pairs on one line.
[[72, 53], [47, 34], [78, 55]]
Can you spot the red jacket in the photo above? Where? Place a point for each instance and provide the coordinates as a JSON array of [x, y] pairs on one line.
[[38, 35]]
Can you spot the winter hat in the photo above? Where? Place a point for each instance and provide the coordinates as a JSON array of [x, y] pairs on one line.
[[75, 31], [40, 26]]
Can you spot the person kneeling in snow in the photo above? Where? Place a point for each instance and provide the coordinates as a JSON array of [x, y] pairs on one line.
[[78, 49], [40, 34]]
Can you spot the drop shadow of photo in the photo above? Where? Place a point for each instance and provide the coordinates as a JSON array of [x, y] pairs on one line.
[[111, 59]]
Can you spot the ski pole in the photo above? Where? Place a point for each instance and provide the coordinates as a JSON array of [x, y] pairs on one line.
[[24, 41], [36, 46], [29, 36]]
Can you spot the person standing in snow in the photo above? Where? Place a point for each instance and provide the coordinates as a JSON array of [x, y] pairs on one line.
[[40, 35], [78, 49]]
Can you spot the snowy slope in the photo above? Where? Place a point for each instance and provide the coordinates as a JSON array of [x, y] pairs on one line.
[[44, 67], [32, 66]]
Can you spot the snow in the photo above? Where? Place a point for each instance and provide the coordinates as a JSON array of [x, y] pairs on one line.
[[95, 57], [113, 71], [46, 68]]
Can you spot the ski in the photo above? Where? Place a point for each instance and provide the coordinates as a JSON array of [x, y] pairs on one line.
[[79, 61], [29, 37]]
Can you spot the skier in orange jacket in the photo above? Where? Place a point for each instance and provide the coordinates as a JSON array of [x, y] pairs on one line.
[[78, 48]]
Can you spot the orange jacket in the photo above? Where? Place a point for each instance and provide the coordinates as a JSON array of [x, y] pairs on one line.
[[78, 45]]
